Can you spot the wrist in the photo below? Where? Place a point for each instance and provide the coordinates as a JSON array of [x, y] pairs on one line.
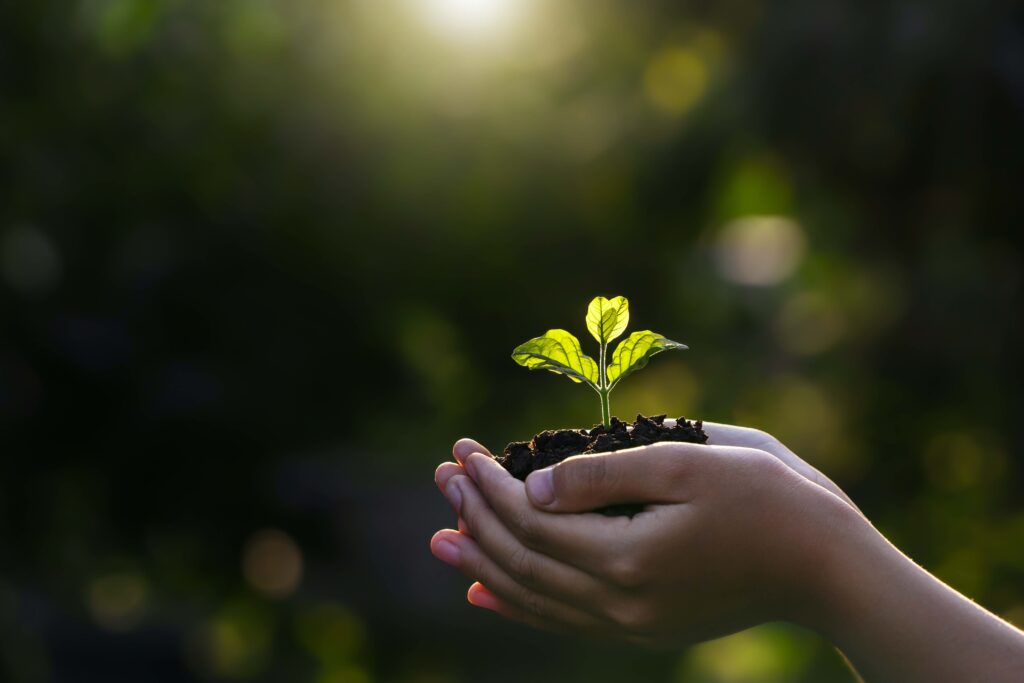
[[864, 581], [844, 559], [895, 622]]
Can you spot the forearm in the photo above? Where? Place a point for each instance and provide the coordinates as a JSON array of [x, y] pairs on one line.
[[897, 623]]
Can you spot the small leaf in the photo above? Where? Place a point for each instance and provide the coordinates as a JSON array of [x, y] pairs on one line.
[[607, 318], [634, 351], [557, 351]]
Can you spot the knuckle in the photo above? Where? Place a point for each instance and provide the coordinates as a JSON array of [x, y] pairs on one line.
[[766, 464], [595, 474], [583, 475], [632, 616], [762, 439], [523, 525], [765, 473], [677, 469], [467, 524], [628, 572], [475, 566], [675, 464], [532, 604], [522, 566]]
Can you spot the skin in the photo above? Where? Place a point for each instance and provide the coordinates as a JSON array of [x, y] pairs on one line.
[[735, 533]]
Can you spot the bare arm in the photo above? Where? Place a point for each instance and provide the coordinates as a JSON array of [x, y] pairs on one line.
[[896, 622]]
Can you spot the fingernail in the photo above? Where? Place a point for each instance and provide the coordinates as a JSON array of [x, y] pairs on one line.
[[453, 494], [463, 448], [446, 551], [540, 487], [481, 597], [444, 472]]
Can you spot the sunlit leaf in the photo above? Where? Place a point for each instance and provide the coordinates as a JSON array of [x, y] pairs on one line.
[[557, 351], [607, 318], [634, 351]]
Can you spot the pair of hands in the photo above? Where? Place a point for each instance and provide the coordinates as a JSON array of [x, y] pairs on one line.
[[734, 533]]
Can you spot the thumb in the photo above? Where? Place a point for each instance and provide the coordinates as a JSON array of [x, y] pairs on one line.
[[649, 474]]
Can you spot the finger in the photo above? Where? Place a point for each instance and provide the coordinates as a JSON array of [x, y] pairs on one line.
[[534, 570], [463, 447], [581, 541], [446, 471], [662, 473], [516, 600], [747, 437], [479, 596], [442, 474], [734, 435]]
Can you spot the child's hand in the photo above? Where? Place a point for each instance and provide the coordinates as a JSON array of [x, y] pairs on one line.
[[736, 532], [731, 537]]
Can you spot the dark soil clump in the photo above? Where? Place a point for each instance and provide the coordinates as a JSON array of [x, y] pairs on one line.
[[553, 446]]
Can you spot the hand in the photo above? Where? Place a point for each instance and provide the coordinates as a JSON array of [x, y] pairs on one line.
[[733, 435], [732, 535], [729, 539]]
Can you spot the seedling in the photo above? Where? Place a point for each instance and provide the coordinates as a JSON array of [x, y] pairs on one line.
[[559, 351]]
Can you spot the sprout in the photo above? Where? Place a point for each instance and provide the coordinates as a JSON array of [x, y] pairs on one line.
[[559, 351]]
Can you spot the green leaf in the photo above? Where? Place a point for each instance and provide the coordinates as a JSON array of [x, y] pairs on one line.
[[607, 318], [557, 351], [634, 351]]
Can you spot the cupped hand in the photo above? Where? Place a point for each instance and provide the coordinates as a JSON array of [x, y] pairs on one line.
[[731, 536], [734, 435]]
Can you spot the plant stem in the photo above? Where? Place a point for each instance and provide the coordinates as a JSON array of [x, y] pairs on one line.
[[604, 390]]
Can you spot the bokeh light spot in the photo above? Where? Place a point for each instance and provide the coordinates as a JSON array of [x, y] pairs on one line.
[[234, 644], [958, 460], [256, 28], [809, 323], [674, 80], [754, 185], [806, 417], [759, 655], [272, 563], [117, 601], [330, 632], [434, 351], [469, 18], [121, 26], [759, 250]]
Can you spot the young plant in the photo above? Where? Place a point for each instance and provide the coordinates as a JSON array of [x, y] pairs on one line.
[[559, 351]]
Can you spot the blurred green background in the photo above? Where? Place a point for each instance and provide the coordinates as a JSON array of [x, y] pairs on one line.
[[262, 262]]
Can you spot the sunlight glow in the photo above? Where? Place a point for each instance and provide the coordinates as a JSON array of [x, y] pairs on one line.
[[469, 17]]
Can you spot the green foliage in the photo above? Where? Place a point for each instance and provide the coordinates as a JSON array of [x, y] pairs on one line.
[[559, 351], [606, 319], [634, 351]]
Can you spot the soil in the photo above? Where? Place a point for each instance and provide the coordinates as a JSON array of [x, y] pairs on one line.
[[553, 446]]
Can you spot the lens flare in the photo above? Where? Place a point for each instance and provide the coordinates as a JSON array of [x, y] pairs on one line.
[[469, 17]]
